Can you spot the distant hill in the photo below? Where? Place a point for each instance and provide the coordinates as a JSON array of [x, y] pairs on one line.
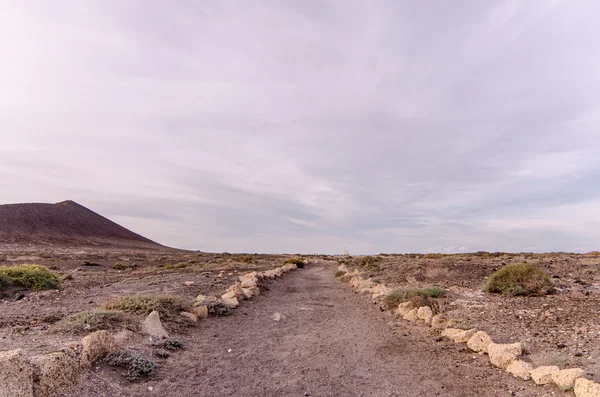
[[65, 223]]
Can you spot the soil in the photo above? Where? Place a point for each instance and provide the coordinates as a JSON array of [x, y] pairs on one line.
[[310, 335], [31, 322], [562, 328]]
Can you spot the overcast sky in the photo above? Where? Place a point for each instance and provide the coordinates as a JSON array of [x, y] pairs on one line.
[[310, 126]]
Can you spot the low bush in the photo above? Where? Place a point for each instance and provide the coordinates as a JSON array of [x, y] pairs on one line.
[[33, 277], [137, 366], [519, 279], [95, 320], [179, 265], [369, 263], [419, 297], [340, 273], [299, 262], [169, 306]]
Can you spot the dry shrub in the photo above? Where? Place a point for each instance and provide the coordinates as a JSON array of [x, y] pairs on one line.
[[340, 273], [419, 297], [299, 262], [169, 306], [95, 320], [369, 263], [519, 279]]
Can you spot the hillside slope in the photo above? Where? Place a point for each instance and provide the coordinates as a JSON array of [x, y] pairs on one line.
[[65, 223]]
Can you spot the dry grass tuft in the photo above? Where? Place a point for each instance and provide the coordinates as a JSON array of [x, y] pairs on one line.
[[95, 320], [169, 306]]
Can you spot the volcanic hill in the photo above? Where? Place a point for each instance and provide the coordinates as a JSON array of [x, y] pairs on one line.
[[64, 224]]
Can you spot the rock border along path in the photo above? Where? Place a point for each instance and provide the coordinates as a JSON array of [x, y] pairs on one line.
[[504, 356], [52, 374]]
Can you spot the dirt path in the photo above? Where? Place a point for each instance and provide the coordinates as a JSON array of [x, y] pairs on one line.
[[330, 342]]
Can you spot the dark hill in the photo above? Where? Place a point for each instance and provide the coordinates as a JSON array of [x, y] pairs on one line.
[[65, 223]]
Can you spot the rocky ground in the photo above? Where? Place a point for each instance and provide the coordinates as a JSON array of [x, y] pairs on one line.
[[92, 276], [310, 335], [559, 329]]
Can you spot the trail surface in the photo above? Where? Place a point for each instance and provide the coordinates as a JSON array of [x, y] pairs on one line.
[[328, 341]]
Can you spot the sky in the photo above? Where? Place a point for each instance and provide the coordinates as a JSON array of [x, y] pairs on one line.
[[310, 126]]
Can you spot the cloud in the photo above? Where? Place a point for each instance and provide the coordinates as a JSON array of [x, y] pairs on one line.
[[309, 127]]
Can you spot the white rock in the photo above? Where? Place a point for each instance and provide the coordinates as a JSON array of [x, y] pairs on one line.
[[479, 342], [520, 369], [502, 355], [543, 375], [565, 379], [586, 388], [231, 303], [153, 327], [404, 308], [458, 335], [278, 317], [425, 313], [411, 315], [441, 321], [191, 316]]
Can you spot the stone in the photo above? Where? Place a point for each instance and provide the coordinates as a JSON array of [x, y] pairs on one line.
[[586, 388], [411, 315], [235, 291], [479, 342], [190, 316], [502, 355], [56, 372], [200, 311], [16, 374], [565, 379], [520, 369], [440, 321], [96, 345], [231, 303], [188, 283], [153, 327], [249, 282], [543, 375], [204, 300], [450, 332], [250, 292], [404, 308], [462, 336], [425, 313]]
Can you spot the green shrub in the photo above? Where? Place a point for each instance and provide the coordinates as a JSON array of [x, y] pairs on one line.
[[169, 306], [95, 320], [419, 297], [519, 279], [33, 277], [394, 298], [299, 262], [137, 366]]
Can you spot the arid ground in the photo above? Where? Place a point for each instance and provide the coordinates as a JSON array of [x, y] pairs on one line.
[[309, 333]]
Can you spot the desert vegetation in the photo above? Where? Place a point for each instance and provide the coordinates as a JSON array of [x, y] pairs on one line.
[[519, 279], [32, 277]]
